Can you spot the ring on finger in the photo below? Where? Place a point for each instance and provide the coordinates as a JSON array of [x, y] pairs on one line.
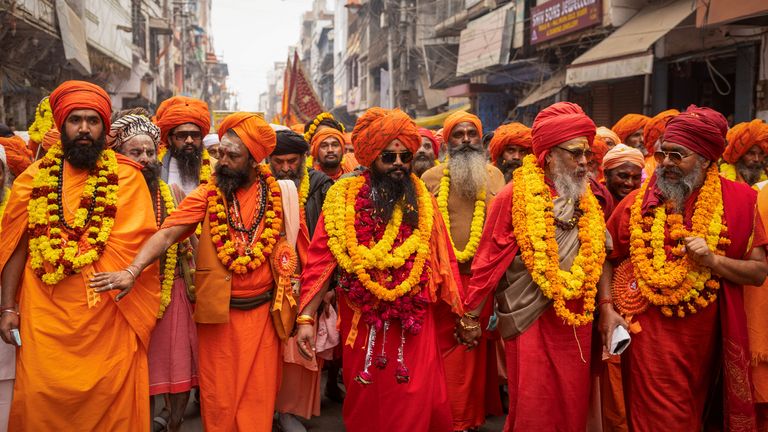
[[110, 285]]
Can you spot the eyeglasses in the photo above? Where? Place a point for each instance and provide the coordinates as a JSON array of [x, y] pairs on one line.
[[390, 157], [182, 136], [578, 154], [674, 157]]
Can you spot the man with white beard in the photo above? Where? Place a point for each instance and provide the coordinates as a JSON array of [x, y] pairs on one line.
[[464, 186]]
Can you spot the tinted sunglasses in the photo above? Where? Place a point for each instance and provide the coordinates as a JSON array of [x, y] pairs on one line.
[[390, 157], [674, 157], [182, 136], [578, 154]]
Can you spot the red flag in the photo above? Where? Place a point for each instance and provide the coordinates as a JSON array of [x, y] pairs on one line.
[[304, 104], [286, 106]]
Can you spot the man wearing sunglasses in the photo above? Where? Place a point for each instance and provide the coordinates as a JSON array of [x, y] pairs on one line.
[[392, 302], [183, 122], [465, 186], [686, 241]]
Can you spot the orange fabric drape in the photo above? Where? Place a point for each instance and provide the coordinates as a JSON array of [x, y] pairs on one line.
[[756, 304]]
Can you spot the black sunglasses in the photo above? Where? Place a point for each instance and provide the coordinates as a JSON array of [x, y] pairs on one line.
[[390, 157], [182, 136], [578, 154], [674, 157]]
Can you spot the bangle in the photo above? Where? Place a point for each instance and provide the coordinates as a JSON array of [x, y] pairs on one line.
[[607, 300], [305, 319], [130, 272], [471, 316], [9, 310]]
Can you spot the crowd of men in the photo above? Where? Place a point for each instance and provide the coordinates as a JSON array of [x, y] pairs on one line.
[[575, 277]]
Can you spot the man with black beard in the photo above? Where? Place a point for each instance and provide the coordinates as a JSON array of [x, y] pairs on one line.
[[745, 153], [183, 123], [510, 144], [465, 186]]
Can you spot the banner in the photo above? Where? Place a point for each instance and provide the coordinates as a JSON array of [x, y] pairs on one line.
[[304, 104], [557, 18]]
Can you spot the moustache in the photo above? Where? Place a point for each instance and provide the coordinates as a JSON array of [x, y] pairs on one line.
[[86, 136], [393, 170], [422, 156]]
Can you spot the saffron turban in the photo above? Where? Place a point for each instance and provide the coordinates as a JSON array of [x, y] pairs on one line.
[[655, 127], [557, 124], [290, 142], [600, 148], [700, 129], [72, 95], [426, 133], [298, 128], [509, 134], [51, 137], [460, 117], [603, 133], [253, 131], [628, 125], [321, 136], [178, 110], [744, 136], [378, 127], [18, 156], [621, 154]]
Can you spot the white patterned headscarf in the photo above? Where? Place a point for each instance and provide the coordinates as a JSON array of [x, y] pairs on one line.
[[129, 126]]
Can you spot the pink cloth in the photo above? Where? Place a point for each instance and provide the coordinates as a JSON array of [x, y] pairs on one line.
[[173, 346]]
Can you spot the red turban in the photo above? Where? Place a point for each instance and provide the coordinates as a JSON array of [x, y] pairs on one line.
[[557, 124], [256, 134], [628, 125], [51, 138], [426, 133], [17, 154], [744, 136], [654, 128], [378, 127], [509, 134], [700, 129], [321, 135], [460, 117], [178, 110], [72, 95]]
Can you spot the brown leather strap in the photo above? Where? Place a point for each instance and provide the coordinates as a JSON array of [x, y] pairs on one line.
[[250, 302]]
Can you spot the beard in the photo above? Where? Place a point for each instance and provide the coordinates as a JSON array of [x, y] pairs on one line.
[[570, 184], [677, 191], [387, 191], [327, 165], [151, 173], [189, 159], [751, 173], [468, 173], [82, 156], [421, 163], [229, 180], [508, 167], [295, 176]]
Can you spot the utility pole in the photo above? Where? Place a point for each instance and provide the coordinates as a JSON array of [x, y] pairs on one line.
[[390, 62], [183, 14], [404, 44]]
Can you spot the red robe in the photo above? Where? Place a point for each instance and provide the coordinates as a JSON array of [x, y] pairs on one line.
[[673, 364]]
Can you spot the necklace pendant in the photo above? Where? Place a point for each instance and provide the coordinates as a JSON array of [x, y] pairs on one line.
[[248, 251]]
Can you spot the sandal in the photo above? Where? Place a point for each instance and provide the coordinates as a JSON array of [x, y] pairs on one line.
[[160, 424]]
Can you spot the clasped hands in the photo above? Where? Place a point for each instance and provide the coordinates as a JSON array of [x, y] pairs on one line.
[[468, 330]]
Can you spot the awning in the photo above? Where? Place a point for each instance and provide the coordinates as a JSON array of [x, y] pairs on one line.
[[548, 88], [73, 38], [160, 26], [627, 51], [437, 120]]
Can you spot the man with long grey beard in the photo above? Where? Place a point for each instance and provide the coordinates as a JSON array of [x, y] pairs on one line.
[[464, 186]]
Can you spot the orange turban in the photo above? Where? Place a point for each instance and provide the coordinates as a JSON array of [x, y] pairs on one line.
[[744, 136], [17, 154], [178, 110], [256, 134], [603, 132], [51, 138], [72, 95], [655, 127], [298, 128], [378, 127], [347, 138], [628, 125], [600, 148], [621, 154], [509, 134], [320, 136], [460, 117], [558, 123]]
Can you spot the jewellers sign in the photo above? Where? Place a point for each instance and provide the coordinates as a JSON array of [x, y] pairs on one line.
[[557, 18]]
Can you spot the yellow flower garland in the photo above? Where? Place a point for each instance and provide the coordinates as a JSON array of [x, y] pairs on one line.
[[677, 283], [171, 255], [478, 218], [339, 210], [728, 171], [534, 227], [316, 122], [43, 121], [304, 188]]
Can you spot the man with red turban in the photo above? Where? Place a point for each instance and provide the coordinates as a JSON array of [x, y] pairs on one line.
[[509, 145], [242, 212], [541, 254], [680, 287], [79, 210], [19, 157], [630, 130], [183, 122], [653, 132], [745, 153], [426, 157], [394, 304], [464, 186]]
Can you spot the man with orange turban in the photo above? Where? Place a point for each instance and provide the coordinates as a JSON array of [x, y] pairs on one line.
[[686, 193], [392, 305], [183, 122], [16, 152], [242, 212], [630, 130], [509, 145], [83, 355], [464, 186], [653, 132], [548, 210], [745, 153]]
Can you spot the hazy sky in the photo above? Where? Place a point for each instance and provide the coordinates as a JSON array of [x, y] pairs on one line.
[[252, 35]]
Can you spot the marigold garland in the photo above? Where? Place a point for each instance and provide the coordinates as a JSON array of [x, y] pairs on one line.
[[478, 217], [171, 255], [304, 187], [43, 121], [241, 258], [534, 227], [669, 278], [728, 171], [316, 122], [56, 251]]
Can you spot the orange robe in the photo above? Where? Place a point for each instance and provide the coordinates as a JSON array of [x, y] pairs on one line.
[[82, 368], [756, 304], [239, 362]]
